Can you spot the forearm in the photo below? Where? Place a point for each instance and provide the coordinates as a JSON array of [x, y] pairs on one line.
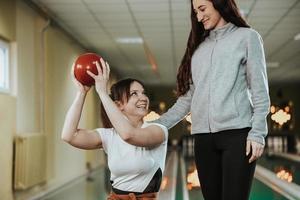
[[258, 84], [73, 116], [259, 130], [178, 111], [174, 115]]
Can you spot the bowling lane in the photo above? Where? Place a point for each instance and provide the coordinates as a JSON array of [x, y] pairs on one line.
[[282, 167]]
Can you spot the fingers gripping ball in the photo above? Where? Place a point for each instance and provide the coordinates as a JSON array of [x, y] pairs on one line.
[[83, 63]]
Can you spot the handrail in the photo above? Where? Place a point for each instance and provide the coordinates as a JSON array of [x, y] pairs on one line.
[[185, 193], [169, 180], [269, 178], [289, 156]]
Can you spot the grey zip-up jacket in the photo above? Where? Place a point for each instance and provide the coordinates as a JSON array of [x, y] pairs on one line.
[[230, 88]]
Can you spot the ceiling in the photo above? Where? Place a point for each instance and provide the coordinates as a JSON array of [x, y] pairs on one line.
[[163, 26]]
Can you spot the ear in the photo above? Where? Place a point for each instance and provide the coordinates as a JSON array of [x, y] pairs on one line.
[[120, 105]]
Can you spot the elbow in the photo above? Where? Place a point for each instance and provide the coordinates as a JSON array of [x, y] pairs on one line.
[[126, 137], [126, 133], [65, 138]]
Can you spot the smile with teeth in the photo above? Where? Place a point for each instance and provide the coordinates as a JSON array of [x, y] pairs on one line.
[[142, 106]]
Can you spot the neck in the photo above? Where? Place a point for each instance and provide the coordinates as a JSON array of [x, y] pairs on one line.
[[135, 121], [220, 23]]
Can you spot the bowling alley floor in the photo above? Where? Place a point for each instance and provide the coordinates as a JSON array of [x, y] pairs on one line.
[[96, 187], [85, 188]]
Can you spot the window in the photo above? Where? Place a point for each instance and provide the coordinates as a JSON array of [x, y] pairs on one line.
[[4, 69]]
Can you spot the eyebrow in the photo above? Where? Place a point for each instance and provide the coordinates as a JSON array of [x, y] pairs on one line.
[[199, 7], [136, 90]]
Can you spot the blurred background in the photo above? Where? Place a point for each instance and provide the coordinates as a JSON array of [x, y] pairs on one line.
[[39, 41]]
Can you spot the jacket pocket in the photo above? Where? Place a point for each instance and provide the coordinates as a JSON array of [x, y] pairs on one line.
[[224, 111]]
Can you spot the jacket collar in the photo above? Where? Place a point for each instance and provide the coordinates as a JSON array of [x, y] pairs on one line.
[[221, 32]]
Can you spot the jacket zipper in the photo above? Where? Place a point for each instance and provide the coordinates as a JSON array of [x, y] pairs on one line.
[[209, 92]]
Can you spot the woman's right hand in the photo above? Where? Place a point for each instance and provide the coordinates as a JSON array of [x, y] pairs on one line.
[[101, 80], [81, 88]]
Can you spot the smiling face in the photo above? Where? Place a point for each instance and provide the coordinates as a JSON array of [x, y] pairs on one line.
[[207, 14], [137, 104]]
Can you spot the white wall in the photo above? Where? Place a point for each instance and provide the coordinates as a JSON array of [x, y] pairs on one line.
[[22, 114], [7, 124], [7, 105], [28, 70]]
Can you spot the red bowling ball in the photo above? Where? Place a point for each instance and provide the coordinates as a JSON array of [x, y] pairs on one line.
[[83, 63]]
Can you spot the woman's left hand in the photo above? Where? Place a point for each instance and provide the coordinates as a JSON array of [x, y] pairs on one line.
[[81, 88], [102, 78], [256, 150]]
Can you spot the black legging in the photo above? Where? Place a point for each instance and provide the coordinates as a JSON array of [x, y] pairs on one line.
[[222, 164]]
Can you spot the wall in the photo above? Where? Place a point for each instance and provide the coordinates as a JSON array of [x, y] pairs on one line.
[[7, 124], [28, 90], [7, 105], [8, 19], [21, 113], [59, 94]]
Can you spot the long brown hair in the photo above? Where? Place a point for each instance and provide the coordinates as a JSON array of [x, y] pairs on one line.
[[230, 13], [120, 91]]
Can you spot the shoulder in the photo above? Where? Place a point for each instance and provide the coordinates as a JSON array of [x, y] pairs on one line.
[[107, 137], [164, 128], [146, 124], [106, 133], [248, 33], [105, 130], [249, 36]]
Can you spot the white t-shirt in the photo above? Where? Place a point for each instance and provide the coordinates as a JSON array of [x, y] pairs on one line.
[[132, 167]]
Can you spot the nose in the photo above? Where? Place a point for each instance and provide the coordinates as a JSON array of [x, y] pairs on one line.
[[199, 16], [143, 97]]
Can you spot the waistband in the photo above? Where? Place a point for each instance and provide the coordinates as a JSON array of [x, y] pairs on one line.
[[132, 196]]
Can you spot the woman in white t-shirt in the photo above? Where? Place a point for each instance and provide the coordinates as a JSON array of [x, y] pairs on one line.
[[136, 150]]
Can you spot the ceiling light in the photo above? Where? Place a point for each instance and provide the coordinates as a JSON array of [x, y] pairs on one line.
[[273, 64], [130, 40], [297, 37]]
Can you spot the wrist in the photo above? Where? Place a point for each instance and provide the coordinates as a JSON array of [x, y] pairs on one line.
[[102, 93], [81, 93]]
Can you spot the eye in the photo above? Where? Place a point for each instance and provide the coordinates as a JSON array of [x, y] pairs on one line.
[[133, 93]]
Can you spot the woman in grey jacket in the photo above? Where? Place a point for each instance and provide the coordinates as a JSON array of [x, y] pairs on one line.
[[222, 81]]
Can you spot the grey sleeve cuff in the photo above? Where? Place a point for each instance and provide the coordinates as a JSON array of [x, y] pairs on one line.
[[178, 111], [256, 138], [172, 116]]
